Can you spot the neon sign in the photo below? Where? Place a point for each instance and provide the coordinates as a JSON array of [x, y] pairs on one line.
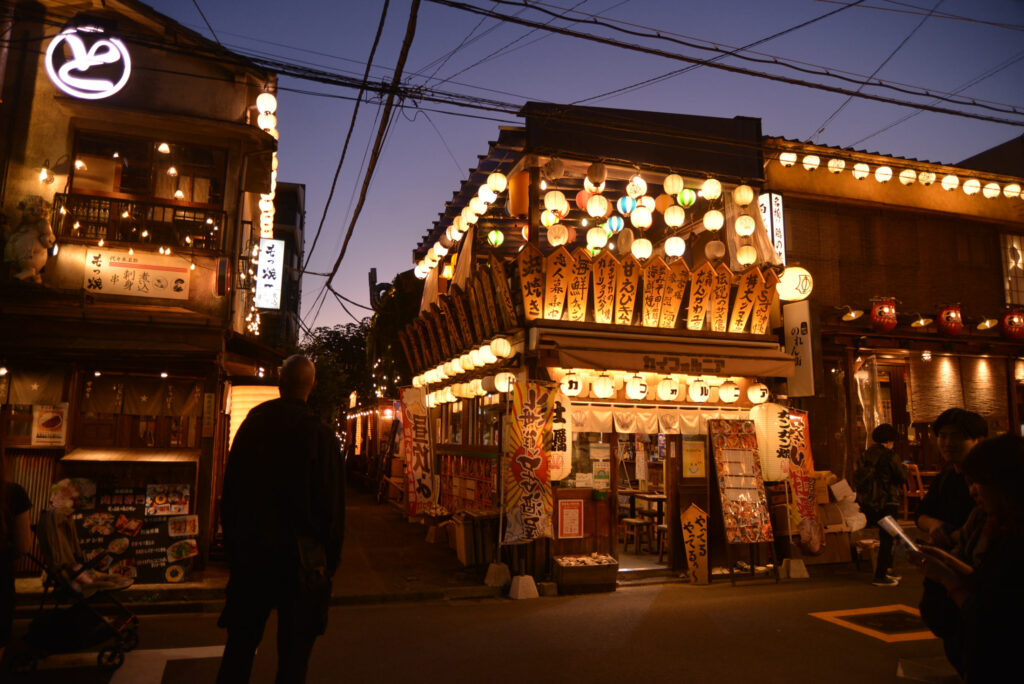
[[106, 57]]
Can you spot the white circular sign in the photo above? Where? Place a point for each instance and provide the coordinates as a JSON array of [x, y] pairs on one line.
[[90, 51]]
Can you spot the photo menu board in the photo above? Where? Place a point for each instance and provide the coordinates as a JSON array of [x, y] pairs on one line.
[[740, 484]]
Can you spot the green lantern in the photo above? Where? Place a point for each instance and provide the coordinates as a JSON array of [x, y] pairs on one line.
[[687, 197], [495, 238]]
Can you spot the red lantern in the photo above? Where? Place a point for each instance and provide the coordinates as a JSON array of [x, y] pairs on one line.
[[949, 320], [883, 315], [1011, 325], [582, 197]]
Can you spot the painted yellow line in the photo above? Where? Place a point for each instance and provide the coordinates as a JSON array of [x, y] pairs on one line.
[[836, 618]]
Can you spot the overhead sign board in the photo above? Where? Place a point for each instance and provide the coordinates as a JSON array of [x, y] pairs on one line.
[[270, 274], [770, 204], [86, 63]]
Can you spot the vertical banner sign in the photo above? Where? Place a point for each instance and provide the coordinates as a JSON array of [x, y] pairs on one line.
[[749, 284], [451, 322], [474, 310], [802, 513], [655, 276], [626, 281], [269, 274], [570, 519], [604, 268], [800, 441], [560, 450], [527, 498], [531, 281], [505, 305], [579, 286], [484, 287], [459, 303], [720, 288], [744, 505], [796, 318], [558, 270], [675, 288], [701, 282], [763, 300], [695, 543], [772, 216], [416, 445]]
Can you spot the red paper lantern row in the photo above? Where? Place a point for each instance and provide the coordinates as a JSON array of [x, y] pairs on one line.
[[950, 322], [883, 315]]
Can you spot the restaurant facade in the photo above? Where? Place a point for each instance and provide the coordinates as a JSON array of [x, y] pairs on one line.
[[138, 186]]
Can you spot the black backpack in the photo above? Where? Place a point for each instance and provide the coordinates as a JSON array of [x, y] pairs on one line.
[[871, 496]]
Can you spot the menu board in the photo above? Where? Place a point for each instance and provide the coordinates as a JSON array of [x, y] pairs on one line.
[[558, 270], [741, 487], [655, 275], [626, 280], [750, 284], [579, 285]]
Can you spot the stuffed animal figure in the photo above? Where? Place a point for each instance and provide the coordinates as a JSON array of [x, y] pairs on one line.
[[29, 243]]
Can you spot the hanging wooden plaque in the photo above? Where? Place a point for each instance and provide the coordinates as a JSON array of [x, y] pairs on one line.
[[434, 319], [460, 305], [417, 343], [403, 339], [747, 288], [627, 281], [701, 281], [531, 281], [655, 277], [579, 286], [485, 291], [427, 340], [721, 287], [558, 269], [506, 307], [605, 268], [675, 289], [475, 311], [447, 309], [763, 301]]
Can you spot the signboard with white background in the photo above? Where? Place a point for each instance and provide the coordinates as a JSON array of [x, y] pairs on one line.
[[142, 274], [269, 274]]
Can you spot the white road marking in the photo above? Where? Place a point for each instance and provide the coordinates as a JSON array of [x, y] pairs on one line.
[[140, 667]]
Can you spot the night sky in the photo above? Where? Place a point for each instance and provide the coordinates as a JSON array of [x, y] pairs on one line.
[[429, 153]]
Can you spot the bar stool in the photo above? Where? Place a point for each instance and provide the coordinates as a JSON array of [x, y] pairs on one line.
[[662, 532], [636, 527]]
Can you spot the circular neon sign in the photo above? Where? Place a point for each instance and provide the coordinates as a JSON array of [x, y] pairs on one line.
[[90, 50]]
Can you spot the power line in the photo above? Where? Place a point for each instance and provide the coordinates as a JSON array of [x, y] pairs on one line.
[[941, 15], [206, 21]]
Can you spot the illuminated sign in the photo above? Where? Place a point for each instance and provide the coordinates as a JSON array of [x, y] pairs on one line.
[[269, 274], [83, 62], [139, 274], [772, 216]]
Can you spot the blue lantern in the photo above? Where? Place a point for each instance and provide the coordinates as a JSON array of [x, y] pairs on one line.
[[615, 223], [626, 205]]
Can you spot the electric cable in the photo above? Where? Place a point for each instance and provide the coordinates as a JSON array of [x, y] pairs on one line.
[[206, 21]]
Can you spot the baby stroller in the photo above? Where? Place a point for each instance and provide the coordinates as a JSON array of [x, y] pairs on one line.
[[76, 593]]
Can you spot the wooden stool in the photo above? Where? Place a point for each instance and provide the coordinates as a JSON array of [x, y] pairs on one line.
[[636, 527], [662, 531]]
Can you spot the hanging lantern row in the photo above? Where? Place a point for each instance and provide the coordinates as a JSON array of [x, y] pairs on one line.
[[266, 105], [948, 322], [638, 387], [485, 355], [479, 387], [907, 176]]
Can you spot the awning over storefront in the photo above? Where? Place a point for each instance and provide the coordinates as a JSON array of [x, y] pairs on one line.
[[640, 352]]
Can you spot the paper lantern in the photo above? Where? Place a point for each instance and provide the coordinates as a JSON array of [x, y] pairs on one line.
[[950, 183], [615, 223], [774, 439], [641, 248], [743, 195], [487, 357], [591, 188], [597, 206], [1011, 325], [1011, 191], [883, 174], [597, 173], [478, 206], [673, 184], [549, 218], [503, 382], [486, 195], [440, 249], [699, 391], [745, 225], [525, 232], [467, 361], [501, 348], [675, 216], [758, 393], [950, 322], [712, 189], [972, 187], [266, 103], [641, 218], [714, 250], [558, 235], [926, 178], [603, 387], [675, 246], [636, 388], [729, 392], [812, 162], [746, 255], [636, 187], [497, 182], [553, 200], [495, 238], [713, 220], [518, 201], [668, 389], [582, 197], [883, 315], [571, 385], [908, 176], [457, 366], [468, 217], [990, 191], [836, 165], [421, 271], [861, 170], [686, 198], [787, 158], [625, 205], [597, 237], [553, 170], [795, 284], [647, 202]]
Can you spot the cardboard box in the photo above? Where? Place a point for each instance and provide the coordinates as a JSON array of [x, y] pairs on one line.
[[822, 480]]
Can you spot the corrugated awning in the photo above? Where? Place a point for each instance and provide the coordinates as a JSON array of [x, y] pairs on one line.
[[123, 454], [638, 352]]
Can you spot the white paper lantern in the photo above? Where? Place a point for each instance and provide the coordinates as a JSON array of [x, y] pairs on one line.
[[487, 357], [477, 206], [636, 388], [699, 391], [836, 165], [745, 225], [773, 429], [1011, 191], [908, 176], [713, 220], [571, 385], [641, 248], [558, 235], [597, 206], [972, 186], [266, 103], [743, 195], [787, 158], [648, 203], [926, 178], [746, 255], [468, 217], [603, 387], [503, 382], [592, 188], [675, 246], [549, 218], [501, 348], [421, 271], [758, 393], [712, 189], [467, 361], [624, 241], [991, 190], [668, 389], [714, 250], [675, 216], [861, 170], [440, 249], [486, 195], [597, 237], [641, 218], [950, 183], [883, 174], [636, 187], [673, 184], [497, 182], [812, 162], [554, 200], [729, 392], [795, 284], [457, 366]]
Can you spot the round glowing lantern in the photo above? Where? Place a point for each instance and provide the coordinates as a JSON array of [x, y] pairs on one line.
[[549, 218], [675, 246], [501, 348], [525, 232], [641, 248], [950, 183], [773, 429], [794, 284], [729, 392], [636, 187], [972, 186], [883, 174], [743, 195], [758, 393], [673, 184], [1011, 325], [883, 315], [686, 198], [467, 362], [675, 216], [990, 191], [503, 381], [926, 178], [554, 200], [745, 225], [485, 193], [950, 322], [812, 162], [787, 158], [615, 223], [712, 189], [746, 255], [597, 173], [597, 206], [468, 217], [558, 235], [908, 176], [582, 197], [625, 205], [497, 182], [641, 218], [624, 241], [597, 237], [603, 387], [699, 391], [636, 388], [591, 188], [266, 103], [668, 390], [571, 385], [421, 271], [836, 165], [714, 220], [714, 250], [486, 355], [1011, 191], [861, 170], [647, 202], [495, 238]]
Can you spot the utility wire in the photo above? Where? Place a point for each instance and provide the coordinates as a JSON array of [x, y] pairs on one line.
[[207, 22], [940, 15]]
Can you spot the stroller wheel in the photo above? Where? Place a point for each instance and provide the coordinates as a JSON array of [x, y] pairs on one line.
[[110, 658], [130, 640]]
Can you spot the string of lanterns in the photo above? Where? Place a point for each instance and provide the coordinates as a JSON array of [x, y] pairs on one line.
[[949, 320], [485, 355], [638, 386]]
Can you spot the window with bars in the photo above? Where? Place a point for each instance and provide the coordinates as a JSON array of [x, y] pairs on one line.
[[1013, 267]]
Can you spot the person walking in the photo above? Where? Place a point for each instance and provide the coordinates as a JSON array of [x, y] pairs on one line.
[[15, 540], [878, 481], [283, 515]]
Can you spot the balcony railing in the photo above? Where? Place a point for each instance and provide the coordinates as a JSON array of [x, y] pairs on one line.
[[133, 222]]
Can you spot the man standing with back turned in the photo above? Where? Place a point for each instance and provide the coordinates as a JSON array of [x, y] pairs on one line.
[[283, 514]]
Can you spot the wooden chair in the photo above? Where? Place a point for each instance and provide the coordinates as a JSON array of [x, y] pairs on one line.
[[637, 528], [914, 489]]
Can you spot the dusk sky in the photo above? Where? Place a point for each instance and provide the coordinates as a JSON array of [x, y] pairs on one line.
[[946, 45]]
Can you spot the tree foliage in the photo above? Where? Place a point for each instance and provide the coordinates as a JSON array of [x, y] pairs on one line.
[[340, 357], [389, 369]]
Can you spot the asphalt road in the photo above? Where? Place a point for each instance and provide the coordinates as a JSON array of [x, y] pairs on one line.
[[756, 631]]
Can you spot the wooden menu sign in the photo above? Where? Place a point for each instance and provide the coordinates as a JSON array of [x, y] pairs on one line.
[[482, 283], [434, 321], [694, 522], [675, 288], [531, 281], [763, 300], [445, 306], [700, 293], [655, 275], [721, 286], [579, 286], [407, 349], [749, 283], [427, 341], [558, 268], [459, 304], [744, 506], [627, 281], [474, 310], [605, 268], [506, 307]]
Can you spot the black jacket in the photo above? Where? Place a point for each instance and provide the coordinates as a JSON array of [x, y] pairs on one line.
[[888, 472]]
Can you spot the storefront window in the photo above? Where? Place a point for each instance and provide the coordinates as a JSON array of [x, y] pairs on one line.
[[591, 456], [1013, 268]]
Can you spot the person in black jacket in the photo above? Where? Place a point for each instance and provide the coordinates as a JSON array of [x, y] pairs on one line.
[[283, 515], [886, 478]]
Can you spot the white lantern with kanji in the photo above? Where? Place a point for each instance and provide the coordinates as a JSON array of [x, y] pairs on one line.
[[773, 429]]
